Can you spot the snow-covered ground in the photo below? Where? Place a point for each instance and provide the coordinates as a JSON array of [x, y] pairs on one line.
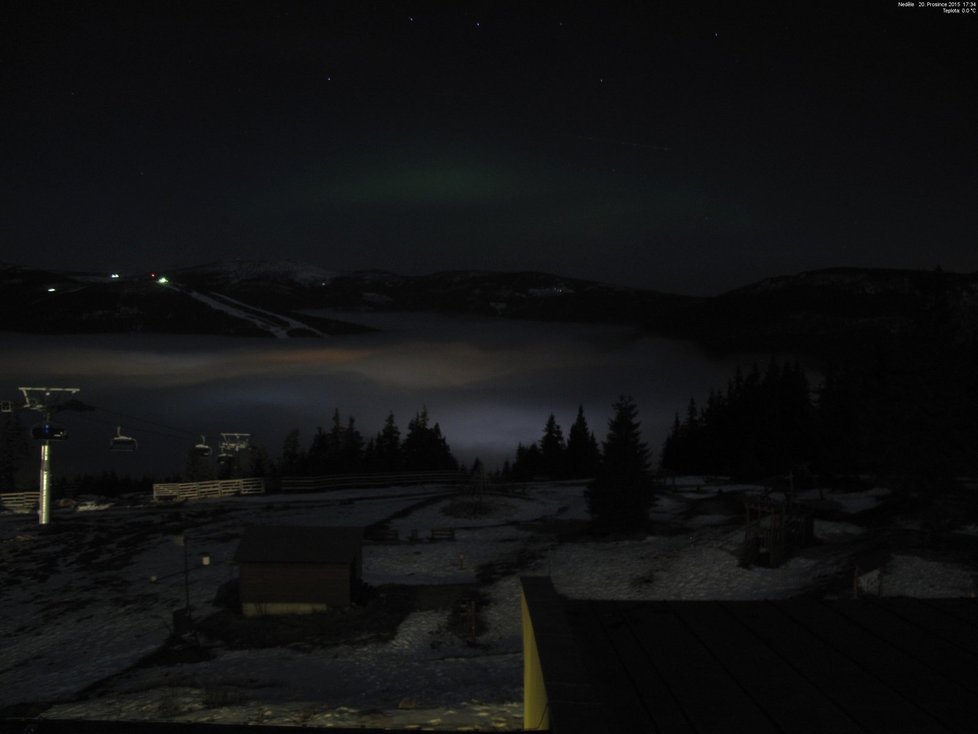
[[81, 607]]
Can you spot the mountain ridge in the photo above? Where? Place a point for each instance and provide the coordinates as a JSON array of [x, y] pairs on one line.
[[814, 312]]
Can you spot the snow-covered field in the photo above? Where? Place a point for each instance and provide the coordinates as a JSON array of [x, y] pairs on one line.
[[81, 605]]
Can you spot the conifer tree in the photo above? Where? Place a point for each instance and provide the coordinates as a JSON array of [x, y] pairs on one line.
[[290, 463], [255, 462], [387, 453], [335, 441], [425, 448], [527, 463], [350, 453], [672, 460], [582, 454], [621, 493], [317, 457], [552, 450]]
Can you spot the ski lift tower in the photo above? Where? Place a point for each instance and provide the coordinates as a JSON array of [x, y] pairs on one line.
[[46, 400], [231, 444]]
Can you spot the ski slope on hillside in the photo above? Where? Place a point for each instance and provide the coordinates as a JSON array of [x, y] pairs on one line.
[[275, 324]]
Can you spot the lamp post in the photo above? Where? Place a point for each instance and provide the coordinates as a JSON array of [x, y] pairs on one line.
[[183, 622], [183, 619]]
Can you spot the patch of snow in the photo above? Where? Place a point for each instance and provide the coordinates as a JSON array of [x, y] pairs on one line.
[[702, 566], [855, 502], [923, 579], [59, 603], [92, 506]]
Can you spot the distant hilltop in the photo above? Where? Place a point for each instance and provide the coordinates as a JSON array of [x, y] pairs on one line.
[[814, 312]]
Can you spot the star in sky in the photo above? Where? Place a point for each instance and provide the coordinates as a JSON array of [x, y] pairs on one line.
[[329, 134]]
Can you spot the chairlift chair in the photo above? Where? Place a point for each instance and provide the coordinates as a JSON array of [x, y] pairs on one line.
[[231, 444], [122, 443], [202, 448]]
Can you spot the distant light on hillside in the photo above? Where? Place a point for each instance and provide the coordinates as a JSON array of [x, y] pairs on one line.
[[162, 280]]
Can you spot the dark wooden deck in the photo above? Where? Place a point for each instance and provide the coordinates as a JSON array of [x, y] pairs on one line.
[[873, 665]]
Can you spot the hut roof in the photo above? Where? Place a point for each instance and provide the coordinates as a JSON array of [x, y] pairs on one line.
[[298, 544], [895, 664]]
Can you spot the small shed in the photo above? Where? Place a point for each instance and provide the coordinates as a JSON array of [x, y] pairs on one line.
[[298, 569]]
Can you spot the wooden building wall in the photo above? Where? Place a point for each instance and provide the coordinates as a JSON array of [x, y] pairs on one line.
[[269, 588]]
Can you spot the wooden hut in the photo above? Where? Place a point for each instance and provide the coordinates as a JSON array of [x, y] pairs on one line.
[[298, 570]]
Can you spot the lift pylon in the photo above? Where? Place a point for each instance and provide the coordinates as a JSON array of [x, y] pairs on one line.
[[46, 400]]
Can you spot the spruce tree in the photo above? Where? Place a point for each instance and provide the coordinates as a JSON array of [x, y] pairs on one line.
[[335, 444], [621, 493], [350, 455], [582, 454], [290, 463], [425, 448], [387, 453], [672, 460], [317, 457], [527, 463], [552, 450]]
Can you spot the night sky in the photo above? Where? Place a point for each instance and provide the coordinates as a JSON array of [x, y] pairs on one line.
[[677, 148]]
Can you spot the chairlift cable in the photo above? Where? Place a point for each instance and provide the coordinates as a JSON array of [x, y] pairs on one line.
[[146, 420], [113, 424]]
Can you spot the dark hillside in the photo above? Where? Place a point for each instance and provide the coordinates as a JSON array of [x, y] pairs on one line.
[[821, 315]]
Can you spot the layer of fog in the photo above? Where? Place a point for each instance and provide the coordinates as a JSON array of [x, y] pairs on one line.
[[489, 383]]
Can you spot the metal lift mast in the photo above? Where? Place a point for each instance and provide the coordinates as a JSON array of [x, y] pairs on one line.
[[46, 400]]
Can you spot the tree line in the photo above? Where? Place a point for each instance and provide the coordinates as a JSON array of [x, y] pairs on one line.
[[342, 449], [618, 494], [553, 457], [901, 410], [620, 489], [761, 425]]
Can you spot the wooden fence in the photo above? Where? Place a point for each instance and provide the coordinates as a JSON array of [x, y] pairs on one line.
[[179, 491], [19, 501], [366, 481]]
